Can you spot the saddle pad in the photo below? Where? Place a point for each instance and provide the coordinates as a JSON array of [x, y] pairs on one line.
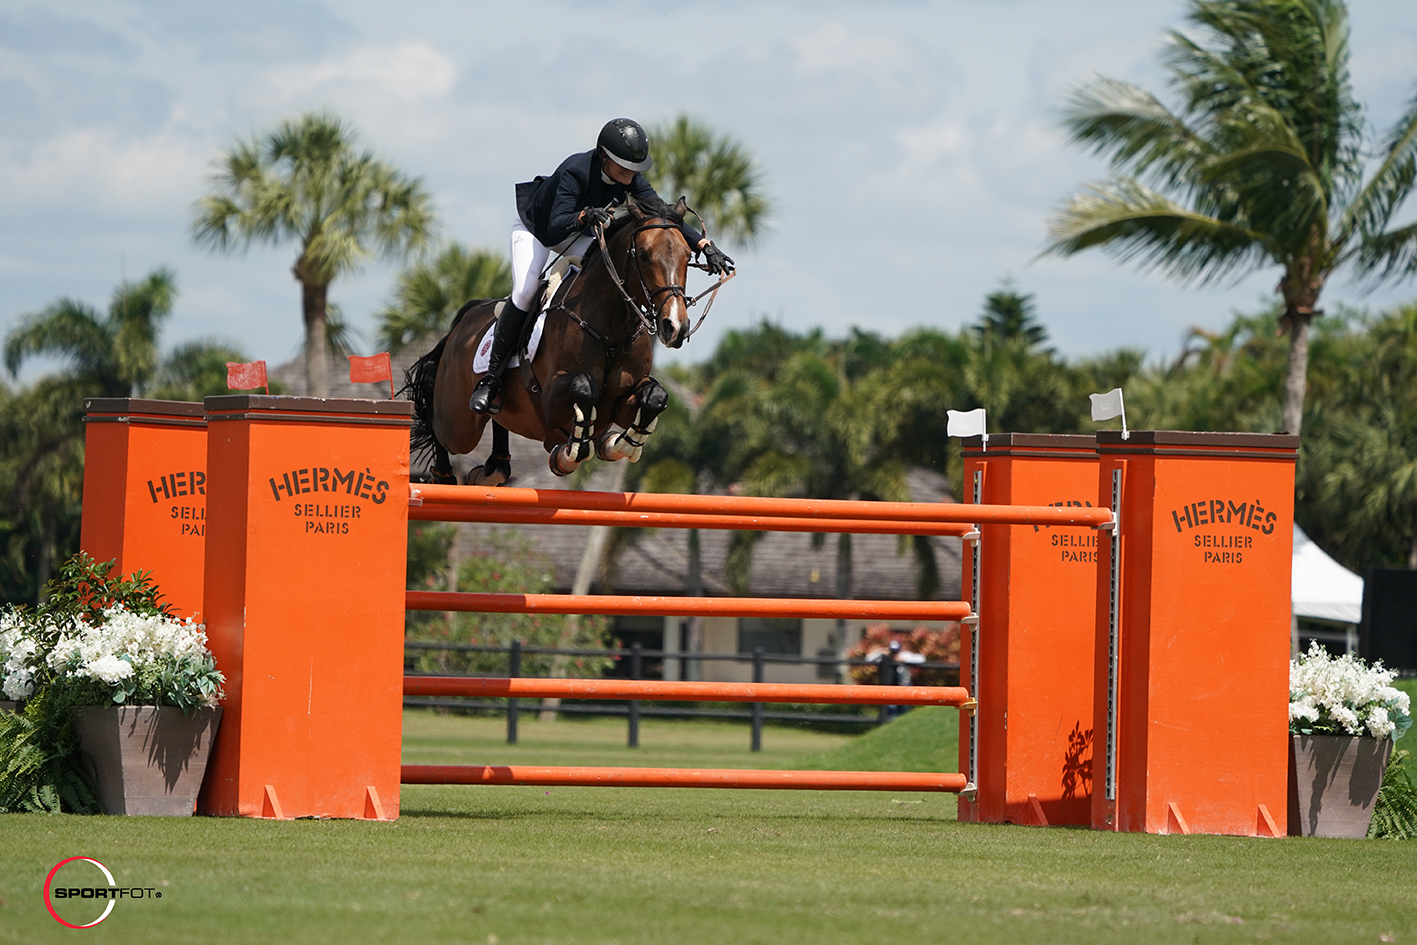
[[484, 347]]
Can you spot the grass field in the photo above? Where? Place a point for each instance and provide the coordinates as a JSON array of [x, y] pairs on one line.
[[531, 865]]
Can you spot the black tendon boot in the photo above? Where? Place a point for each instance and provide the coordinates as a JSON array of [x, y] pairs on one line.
[[487, 395]]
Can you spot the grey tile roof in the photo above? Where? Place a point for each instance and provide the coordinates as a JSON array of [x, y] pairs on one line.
[[785, 564]]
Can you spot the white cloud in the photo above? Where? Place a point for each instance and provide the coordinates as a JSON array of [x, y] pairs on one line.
[[407, 73], [98, 169]]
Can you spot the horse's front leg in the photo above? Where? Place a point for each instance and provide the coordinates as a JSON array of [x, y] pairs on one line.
[[570, 404], [634, 420]]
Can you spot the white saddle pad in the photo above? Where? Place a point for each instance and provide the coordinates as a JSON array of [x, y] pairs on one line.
[[480, 361]]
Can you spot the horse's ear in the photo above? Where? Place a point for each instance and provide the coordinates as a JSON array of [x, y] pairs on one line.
[[633, 206], [681, 206]]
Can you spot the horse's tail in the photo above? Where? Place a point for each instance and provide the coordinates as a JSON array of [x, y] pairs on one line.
[[418, 383]]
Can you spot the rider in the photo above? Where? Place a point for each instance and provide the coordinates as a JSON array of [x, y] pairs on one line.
[[554, 214]]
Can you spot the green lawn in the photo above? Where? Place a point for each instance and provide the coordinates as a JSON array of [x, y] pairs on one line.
[[529, 865]]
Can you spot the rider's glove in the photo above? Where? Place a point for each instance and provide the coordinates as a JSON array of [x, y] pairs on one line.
[[592, 217], [717, 260]]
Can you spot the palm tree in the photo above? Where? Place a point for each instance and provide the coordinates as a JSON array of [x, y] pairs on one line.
[[721, 179], [428, 294], [306, 182], [42, 437], [112, 357], [1260, 166]]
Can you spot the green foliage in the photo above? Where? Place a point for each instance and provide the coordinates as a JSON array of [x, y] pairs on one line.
[[40, 766], [1395, 813], [85, 588], [507, 563], [721, 179], [428, 294]]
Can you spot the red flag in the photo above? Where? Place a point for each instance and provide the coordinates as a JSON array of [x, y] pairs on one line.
[[246, 376], [372, 369]]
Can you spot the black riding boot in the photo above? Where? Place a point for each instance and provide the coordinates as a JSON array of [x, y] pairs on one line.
[[487, 395]]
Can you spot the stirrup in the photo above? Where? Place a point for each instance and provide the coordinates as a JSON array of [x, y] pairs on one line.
[[486, 397]]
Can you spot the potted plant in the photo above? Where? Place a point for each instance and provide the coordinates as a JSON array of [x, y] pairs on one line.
[[17, 647], [122, 705], [1343, 718]]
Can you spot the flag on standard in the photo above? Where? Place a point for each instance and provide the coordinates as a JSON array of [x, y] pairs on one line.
[[1108, 406], [246, 376], [964, 423]]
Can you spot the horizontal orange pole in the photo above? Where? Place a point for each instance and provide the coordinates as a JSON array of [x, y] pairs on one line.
[[681, 691], [438, 512], [682, 777], [613, 604], [502, 497]]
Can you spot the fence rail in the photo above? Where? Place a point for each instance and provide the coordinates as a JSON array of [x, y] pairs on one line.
[[423, 689]]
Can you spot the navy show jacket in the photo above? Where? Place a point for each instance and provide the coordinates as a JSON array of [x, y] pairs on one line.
[[549, 206]]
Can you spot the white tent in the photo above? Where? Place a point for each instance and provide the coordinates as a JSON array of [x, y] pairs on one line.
[[1326, 592]]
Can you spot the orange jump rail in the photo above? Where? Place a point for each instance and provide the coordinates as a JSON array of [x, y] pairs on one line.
[[682, 691], [438, 512], [720, 505], [611, 604], [682, 777]]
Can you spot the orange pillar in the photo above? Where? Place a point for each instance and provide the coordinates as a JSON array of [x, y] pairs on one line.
[[1037, 602], [305, 604], [1198, 690], [145, 492]]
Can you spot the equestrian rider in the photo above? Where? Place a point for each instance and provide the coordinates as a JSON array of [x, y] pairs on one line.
[[559, 213]]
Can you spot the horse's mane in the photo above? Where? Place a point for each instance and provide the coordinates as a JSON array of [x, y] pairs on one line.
[[648, 207]]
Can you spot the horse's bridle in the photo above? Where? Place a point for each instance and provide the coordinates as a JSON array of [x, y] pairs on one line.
[[649, 313]]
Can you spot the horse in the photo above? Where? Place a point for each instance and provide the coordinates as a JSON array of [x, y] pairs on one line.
[[588, 386]]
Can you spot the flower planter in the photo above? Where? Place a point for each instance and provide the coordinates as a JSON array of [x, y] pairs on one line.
[[147, 759], [1333, 783], [7, 706]]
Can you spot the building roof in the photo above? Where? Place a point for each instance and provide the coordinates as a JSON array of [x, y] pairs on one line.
[[655, 561]]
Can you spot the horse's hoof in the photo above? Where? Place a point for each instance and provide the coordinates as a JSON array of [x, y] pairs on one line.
[[448, 478], [554, 461], [482, 476], [500, 465]]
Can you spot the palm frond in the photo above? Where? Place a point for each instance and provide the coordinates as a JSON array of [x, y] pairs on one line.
[[1391, 182], [1135, 131], [67, 328], [1137, 223]]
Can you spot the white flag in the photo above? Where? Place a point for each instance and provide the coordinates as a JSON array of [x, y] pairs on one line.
[[1108, 406], [963, 423]]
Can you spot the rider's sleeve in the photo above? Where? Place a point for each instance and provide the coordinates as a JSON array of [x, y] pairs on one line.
[[640, 187], [566, 206]]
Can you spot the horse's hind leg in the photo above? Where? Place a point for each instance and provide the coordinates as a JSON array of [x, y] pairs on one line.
[[583, 394], [498, 468], [634, 422], [442, 469]]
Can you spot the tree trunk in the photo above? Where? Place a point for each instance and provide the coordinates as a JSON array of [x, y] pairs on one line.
[[1412, 556], [312, 300], [843, 591], [1296, 377], [44, 564], [694, 587], [454, 565], [592, 557]]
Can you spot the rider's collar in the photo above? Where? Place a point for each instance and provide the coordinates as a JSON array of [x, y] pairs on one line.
[[607, 178]]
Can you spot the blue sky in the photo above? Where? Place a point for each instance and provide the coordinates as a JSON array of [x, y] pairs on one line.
[[911, 149]]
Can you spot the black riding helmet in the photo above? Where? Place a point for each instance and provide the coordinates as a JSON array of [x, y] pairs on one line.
[[626, 143]]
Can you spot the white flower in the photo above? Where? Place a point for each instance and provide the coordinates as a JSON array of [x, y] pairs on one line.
[[109, 669]]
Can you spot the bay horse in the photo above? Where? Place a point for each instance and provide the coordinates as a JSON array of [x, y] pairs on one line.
[[588, 386]]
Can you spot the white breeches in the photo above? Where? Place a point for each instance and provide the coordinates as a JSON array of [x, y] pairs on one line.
[[529, 258]]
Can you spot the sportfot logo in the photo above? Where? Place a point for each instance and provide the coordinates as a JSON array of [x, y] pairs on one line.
[[68, 890]]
